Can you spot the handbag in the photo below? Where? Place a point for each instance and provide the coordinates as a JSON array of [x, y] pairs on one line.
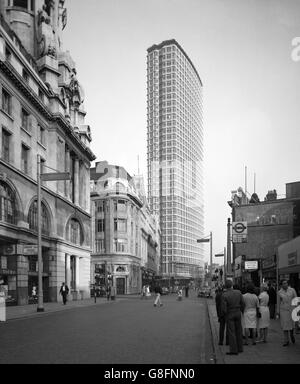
[[258, 314]]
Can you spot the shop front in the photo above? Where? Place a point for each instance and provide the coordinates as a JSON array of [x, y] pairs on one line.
[[289, 263], [19, 274], [269, 268]]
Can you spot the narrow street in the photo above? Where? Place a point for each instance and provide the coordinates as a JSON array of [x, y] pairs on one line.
[[128, 331]]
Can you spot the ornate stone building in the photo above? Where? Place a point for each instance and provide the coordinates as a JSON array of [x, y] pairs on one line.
[[125, 236], [41, 113]]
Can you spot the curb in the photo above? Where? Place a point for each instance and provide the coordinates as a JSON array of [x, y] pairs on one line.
[[218, 354], [49, 312]]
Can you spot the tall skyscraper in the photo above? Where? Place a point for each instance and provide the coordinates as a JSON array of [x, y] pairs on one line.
[[175, 156]]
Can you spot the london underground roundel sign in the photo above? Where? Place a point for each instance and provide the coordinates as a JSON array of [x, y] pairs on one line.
[[239, 228]]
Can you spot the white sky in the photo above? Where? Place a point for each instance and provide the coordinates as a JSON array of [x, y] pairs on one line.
[[242, 51]]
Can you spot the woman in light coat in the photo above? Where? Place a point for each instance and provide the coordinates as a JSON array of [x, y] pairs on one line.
[[250, 313], [285, 296], [264, 320]]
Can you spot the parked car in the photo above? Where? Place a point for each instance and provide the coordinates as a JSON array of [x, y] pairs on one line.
[[204, 292]]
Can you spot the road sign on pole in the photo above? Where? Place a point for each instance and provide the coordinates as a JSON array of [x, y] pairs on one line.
[[56, 176], [239, 232]]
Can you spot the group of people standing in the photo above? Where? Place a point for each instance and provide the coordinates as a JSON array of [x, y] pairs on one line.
[[248, 315]]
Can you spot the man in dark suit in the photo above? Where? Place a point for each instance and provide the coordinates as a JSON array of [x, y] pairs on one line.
[[232, 307], [272, 300], [64, 290], [221, 316]]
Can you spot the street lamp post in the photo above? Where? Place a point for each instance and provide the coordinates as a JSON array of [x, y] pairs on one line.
[[40, 307], [56, 176], [209, 240]]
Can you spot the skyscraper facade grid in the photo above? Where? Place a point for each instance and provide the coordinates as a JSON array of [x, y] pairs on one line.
[[175, 157]]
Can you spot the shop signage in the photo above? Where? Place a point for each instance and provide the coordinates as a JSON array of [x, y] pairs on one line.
[[292, 258], [30, 250], [8, 250], [269, 262], [238, 266], [7, 272], [251, 265]]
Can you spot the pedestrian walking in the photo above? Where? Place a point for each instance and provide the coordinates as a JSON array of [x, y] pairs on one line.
[[221, 316], [34, 293], [148, 293], [112, 292], [264, 320], [187, 291], [250, 313], [143, 294], [272, 300], [108, 292], [64, 291], [179, 295], [232, 307], [158, 293], [285, 296]]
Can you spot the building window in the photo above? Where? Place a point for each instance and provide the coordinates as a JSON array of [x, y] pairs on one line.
[[33, 263], [100, 225], [120, 245], [32, 218], [100, 206], [6, 101], [120, 206], [75, 232], [120, 188], [100, 247], [73, 272], [7, 204], [5, 145], [41, 95], [8, 54], [25, 75], [24, 158], [25, 121], [41, 134], [120, 225], [21, 4], [72, 173]]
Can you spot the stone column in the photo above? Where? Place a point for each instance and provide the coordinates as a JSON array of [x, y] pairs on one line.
[[68, 270], [77, 275], [76, 182], [22, 277]]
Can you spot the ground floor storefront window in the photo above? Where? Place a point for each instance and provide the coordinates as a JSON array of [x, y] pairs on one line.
[[8, 285]]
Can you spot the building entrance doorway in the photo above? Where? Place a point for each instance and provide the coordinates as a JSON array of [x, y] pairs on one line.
[[120, 281]]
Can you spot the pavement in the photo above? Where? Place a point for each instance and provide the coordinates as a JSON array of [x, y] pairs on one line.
[[125, 331], [26, 311], [271, 352]]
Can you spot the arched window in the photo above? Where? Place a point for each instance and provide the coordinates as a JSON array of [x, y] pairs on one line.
[[119, 187], [7, 204], [74, 232], [32, 218]]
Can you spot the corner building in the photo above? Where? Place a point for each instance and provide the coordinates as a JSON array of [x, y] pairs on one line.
[[175, 157], [41, 113], [125, 236]]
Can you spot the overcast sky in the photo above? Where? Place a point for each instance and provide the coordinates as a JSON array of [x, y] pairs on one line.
[[242, 51]]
